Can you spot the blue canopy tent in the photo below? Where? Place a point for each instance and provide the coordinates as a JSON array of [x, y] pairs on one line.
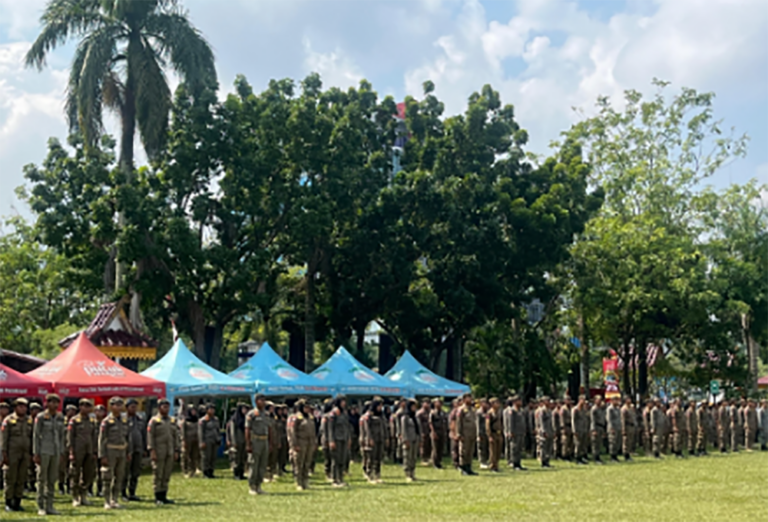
[[345, 374], [271, 375], [185, 375], [417, 380]]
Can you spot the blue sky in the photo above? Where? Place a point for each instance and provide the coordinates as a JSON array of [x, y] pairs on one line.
[[544, 56]]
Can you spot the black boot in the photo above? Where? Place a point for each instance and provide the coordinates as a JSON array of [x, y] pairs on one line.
[[464, 470], [8, 505], [17, 505], [158, 501], [627, 457], [165, 498], [656, 455], [132, 497]]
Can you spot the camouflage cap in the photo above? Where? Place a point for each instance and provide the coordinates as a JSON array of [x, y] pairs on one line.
[[300, 403], [4, 404], [100, 407], [52, 397], [116, 400], [35, 406], [72, 407], [85, 402], [21, 400], [164, 401]]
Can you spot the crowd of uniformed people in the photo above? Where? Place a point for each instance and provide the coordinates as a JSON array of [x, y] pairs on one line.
[[85, 446]]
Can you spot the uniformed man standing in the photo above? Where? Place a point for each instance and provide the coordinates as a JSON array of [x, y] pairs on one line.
[[557, 450], [438, 431], [466, 433], [339, 436], [737, 437], [580, 423], [425, 444], [409, 431], [516, 432], [544, 432], [677, 417], [236, 440], [5, 410], [190, 442], [301, 440], [762, 418], [613, 423], [137, 433], [453, 433], [658, 418], [257, 429], [99, 414], [47, 448], [495, 430], [597, 428], [17, 447], [750, 425], [691, 421], [647, 439], [482, 435], [628, 428], [82, 447], [702, 421], [723, 426], [114, 451], [566, 425], [31, 485], [65, 482], [373, 440], [163, 446], [209, 434]]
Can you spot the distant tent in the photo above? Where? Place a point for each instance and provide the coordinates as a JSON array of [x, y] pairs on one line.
[[418, 380], [83, 371], [15, 384], [271, 375], [187, 376], [346, 375], [762, 382]]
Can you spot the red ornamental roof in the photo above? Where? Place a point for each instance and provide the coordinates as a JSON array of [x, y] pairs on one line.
[[101, 334], [82, 370], [15, 384]]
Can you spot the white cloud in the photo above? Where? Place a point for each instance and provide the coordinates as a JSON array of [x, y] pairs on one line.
[[706, 48], [335, 68]]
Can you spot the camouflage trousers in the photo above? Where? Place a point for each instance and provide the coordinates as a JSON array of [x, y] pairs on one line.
[[566, 444], [544, 448], [614, 442], [581, 444], [515, 445], [628, 440], [749, 439], [597, 443], [737, 438], [723, 438], [680, 441]]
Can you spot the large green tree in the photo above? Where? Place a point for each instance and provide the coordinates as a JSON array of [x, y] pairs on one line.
[[639, 270], [488, 224], [122, 51]]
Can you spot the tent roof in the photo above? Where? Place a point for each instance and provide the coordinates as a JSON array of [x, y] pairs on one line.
[[345, 374], [272, 375], [82, 370], [417, 379], [186, 375], [762, 382], [15, 384]]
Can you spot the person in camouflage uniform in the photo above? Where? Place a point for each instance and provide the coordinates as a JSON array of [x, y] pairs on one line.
[[209, 434], [466, 433], [31, 485], [544, 432], [190, 442], [613, 424], [580, 426], [597, 428], [236, 441], [566, 429], [409, 434], [425, 444], [301, 440], [137, 432], [482, 436], [494, 427], [257, 433]]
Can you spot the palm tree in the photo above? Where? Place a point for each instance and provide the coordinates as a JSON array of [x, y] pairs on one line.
[[124, 46]]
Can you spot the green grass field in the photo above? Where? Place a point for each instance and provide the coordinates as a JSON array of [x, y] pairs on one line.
[[718, 488]]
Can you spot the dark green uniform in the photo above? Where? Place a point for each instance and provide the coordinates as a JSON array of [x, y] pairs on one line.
[[137, 433]]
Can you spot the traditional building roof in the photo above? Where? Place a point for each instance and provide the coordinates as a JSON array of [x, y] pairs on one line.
[[112, 332]]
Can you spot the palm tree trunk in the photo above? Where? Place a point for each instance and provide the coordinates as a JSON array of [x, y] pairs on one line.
[[128, 131], [309, 322]]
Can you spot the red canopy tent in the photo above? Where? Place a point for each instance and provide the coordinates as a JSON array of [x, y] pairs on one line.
[[762, 382], [15, 384], [83, 371]]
